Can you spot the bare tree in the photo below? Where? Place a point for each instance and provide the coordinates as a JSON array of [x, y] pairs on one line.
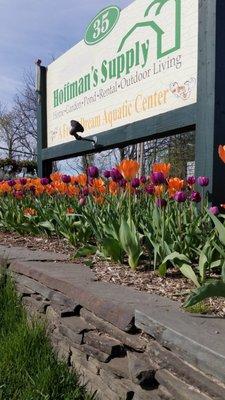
[[8, 133], [25, 111]]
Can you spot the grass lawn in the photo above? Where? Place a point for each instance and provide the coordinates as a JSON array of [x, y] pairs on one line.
[[29, 369]]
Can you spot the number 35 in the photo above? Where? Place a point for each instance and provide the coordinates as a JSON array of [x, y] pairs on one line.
[[101, 25]]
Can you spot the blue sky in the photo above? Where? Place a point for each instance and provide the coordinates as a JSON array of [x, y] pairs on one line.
[[32, 29]]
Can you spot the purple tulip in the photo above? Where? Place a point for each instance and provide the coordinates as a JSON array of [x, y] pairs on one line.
[[66, 178], [93, 172], [32, 189], [195, 197], [11, 182], [116, 175], [203, 181], [150, 189], [214, 210], [135, 183], [143, 179], [107, 174], [180, 197], [158, 178], [18, 194], [123, 183], [191, 180], [82, 201], [161, 203], [85, 192], [23, 181], [44, 181]]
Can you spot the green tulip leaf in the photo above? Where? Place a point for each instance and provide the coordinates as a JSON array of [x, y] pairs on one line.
[[130, 242], [219, 227], [202, 264], [47, 225], [175, 256], [110, 247], [88, 250], [215, 288], [189, 273], [162, 269]]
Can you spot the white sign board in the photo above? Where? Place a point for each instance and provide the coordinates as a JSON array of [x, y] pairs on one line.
[[132, 65]]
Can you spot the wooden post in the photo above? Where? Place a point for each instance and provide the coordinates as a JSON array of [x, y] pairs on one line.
[[210, 127], [44, 166]]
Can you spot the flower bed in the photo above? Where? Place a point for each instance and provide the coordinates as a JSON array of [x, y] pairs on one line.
[[156, 221]]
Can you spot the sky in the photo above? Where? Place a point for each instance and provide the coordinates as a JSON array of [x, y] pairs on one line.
[[40, 29]]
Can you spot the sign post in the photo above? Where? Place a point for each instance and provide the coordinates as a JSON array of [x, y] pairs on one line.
[[44, 166], [210, 122]]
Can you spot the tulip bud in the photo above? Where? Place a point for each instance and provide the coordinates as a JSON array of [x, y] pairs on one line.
[[203, 181], [116, 175], [11, 182], [32, 189], [150, 189], [44, 181], [180, 197], [143, 179], [106, 174], [195, 197], [123, 183], [161, 203], [18, 194], [85, 191], [214, 210], [82, 201], [23, 181], [93, 172], [66, 179], [158, 178], [135, 183], [191, 180]]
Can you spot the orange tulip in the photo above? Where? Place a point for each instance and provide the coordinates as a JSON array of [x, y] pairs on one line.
[[80, 179], [99, 199], [175, 185], [70, 210], [29, 212], [98, 185], [72, 190], [5, 188], [129, 169], [60, 187], [162, 167], [50, 189], [158, 190], [113, 187], [55, 176], [221, 152]]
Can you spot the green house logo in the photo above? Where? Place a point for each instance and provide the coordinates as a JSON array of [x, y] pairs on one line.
[[102, 25], [150, 24]]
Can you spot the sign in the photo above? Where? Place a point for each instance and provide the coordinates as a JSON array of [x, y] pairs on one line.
[[132, 65]]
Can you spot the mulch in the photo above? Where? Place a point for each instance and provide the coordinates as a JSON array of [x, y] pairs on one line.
[[173, 285]]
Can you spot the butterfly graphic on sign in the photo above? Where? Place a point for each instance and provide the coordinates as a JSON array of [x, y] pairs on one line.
[[184, 90]]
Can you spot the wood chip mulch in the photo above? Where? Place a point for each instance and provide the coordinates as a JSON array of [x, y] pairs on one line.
[[173, 286]]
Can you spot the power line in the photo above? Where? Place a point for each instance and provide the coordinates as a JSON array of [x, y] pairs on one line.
[[19, 151]]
